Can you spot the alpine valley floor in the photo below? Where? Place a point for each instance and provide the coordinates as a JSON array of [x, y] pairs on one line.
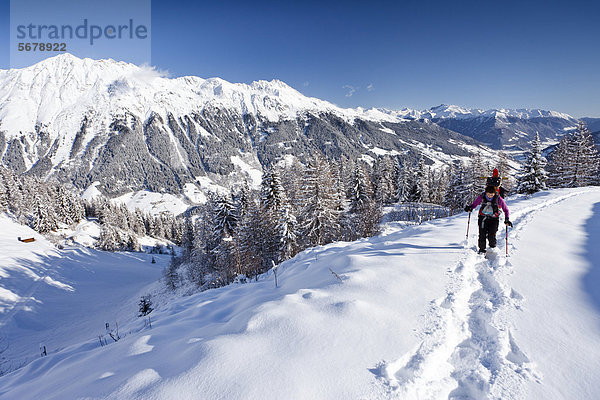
[[409, 314]]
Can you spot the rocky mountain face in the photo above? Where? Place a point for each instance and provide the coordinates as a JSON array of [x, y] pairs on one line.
[[82, 121]]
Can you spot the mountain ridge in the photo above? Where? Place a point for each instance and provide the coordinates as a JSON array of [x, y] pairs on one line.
[[131, 128]]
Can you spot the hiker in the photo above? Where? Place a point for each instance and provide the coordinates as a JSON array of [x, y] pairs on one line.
[[495, 180], [489, 214]]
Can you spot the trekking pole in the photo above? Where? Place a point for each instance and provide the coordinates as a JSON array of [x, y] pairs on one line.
[[506, 240], [468, 223]]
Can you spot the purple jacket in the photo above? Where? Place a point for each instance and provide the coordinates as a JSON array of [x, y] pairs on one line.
[[501, 204]]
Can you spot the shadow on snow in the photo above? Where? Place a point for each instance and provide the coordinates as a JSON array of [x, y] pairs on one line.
[[591, 280]]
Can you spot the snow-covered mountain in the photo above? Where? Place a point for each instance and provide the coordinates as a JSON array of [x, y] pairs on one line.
[[410, 314], [509, 129], [130, 128]]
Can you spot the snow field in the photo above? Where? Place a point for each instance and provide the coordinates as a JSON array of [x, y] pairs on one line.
[[468, 350], [62, 298], [416, 315]]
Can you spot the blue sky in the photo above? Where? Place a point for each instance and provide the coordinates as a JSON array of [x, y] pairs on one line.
[[415, 54]]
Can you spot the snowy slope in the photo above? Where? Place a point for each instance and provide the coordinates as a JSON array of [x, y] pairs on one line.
[[61, 298], [415, 314]]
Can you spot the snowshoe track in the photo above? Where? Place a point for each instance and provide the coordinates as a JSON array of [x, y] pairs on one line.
[[467, 349]]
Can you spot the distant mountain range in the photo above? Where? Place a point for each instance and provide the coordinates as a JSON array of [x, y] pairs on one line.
[[129, 128]]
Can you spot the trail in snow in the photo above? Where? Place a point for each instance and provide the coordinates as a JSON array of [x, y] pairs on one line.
[[467, 349]]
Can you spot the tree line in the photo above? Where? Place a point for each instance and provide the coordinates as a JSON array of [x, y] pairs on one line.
[[574, 162], [246, 232], [47, 207]]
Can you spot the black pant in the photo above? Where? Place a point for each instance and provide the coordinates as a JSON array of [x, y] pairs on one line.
[[487, 229]]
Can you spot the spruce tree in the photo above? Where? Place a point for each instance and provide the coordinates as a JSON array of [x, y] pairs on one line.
[[403, 183], [560, 167], [385, 186], [532, 177], [288, 237], [586, 157], [575, 161], [320, 216], [44, 218], [421, 186]]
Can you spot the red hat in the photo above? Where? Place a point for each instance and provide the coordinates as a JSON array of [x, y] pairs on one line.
[[495, 173]]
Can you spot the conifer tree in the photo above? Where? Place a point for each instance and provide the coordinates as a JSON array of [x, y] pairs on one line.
[[586, 157], [286, 229], [273, 201], [421, 187], [560, 167], [532, 177], [385, 186], [320, 216], [44, 217], [403, 183], [361, 190], [575, 161], [3, 196], [110, 239]]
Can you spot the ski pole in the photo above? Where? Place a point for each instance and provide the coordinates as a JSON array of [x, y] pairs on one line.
[[468, 223]]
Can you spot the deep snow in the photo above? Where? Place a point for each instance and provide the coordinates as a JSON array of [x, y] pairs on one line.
[[416, 315]]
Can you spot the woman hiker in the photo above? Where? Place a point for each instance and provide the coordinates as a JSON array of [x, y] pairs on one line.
[[489, 214]]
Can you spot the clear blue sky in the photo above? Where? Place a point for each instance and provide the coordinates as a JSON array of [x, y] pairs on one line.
[[395, 54]]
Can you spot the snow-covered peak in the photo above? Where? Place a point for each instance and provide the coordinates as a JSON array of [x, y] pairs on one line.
[[444, 111], [59, 91]]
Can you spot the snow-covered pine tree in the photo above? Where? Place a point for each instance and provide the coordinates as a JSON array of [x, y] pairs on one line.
[[532, 177], [187, 238], [291, 176], [421, 187], [286, 229], [222, 244], [438, 182], [44, 218], [560, 167], [403, 182], [110, 239], [272, 202], [14, 192], [385, 186], [451, 198], [224, 216], [364, 212], [201, 261], [171, 275], [459, 190], [587, 161], [360, 191], [250, 238], [575, 161], [273, 197], [477, 171], [137, 222], [3, 196], [320, 216], [132, 242], [64, 204], [177, 231], [242, 200]]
